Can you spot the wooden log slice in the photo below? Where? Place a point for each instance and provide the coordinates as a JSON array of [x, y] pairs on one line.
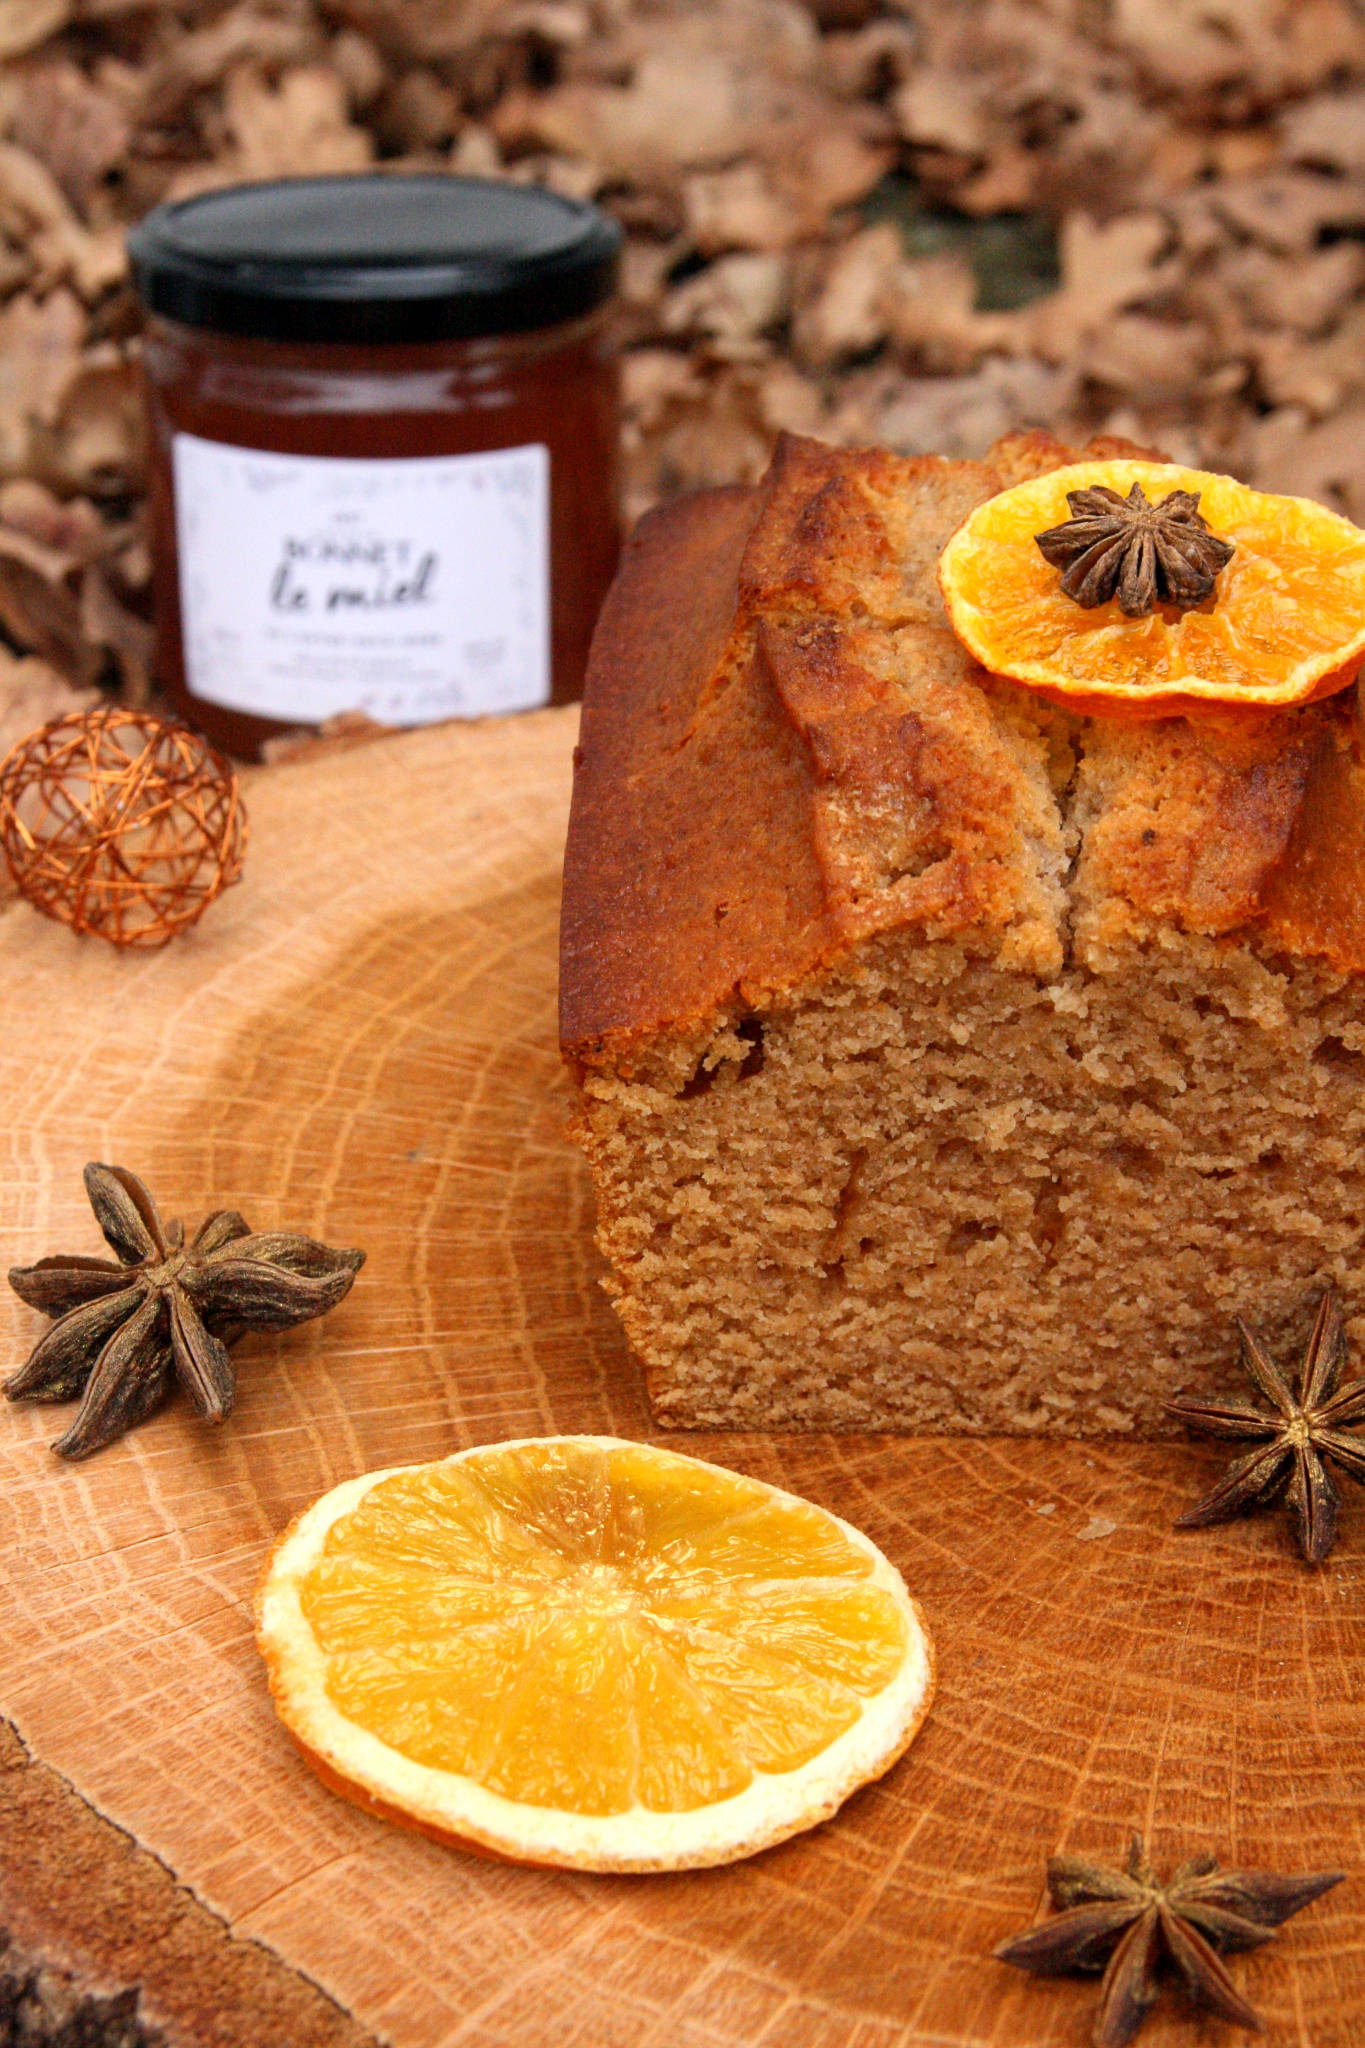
[[360, 1042]]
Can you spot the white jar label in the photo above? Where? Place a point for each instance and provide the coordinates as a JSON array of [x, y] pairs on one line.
[[409, 589]]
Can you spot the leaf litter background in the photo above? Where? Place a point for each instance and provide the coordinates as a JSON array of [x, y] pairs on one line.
[[915, 222]]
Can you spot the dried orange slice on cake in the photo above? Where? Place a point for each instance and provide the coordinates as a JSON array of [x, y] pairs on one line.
[[1183, 588], [578, 1651]]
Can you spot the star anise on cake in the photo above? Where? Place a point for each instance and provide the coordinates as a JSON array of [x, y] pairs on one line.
[[1305, 1432], [1140, 1931], [1145, 554], [166, 1312]]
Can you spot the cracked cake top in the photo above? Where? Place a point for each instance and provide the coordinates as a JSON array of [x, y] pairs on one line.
[[785, 750]]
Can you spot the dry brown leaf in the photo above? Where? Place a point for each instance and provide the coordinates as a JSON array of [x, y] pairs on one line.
[[36, 215], [57, 593], [39, 356], [567, 23], [859, 63], [1326, 130], [1267, 48], [778, 38], [109, 623], [653, 380], [644, 281], [77, 130], [1304, 294], [192, 64], [419, 112], [570, 176], [1107, 137], [787, 402], [93, 442], [1007, 184], [1326, 461], [31, 200], [679, 112], [825, 165], [476, 153], [40, 607], [1008, 106], [646, 269], [1289, 212], [32, 694], [738, 208], [425, 31], [70, 526], [96, 263], [300, 128], [933, 318], [360, 67], [1242, 152], [704, 429], [721, 443], [958, 416], [843, 14], [733, 300], [130, 563], [1183, 158], [943, 109], [849, 312], [707, 88], [1159, 359], [1104, 270], [26, 23], [1317, 375]]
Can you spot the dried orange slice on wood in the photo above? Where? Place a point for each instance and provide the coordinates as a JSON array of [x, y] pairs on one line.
[[579, 1651], [1285, 622]]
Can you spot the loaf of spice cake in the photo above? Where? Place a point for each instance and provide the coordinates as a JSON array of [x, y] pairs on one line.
[[947, 1061]]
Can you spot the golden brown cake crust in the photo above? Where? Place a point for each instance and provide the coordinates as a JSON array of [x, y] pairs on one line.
[[1208, 829], [689, 869], [784, 751]]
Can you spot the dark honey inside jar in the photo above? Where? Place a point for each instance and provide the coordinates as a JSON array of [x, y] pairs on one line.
[[384, 416]]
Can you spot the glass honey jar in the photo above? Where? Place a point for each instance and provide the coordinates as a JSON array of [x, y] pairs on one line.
[[384, 436]]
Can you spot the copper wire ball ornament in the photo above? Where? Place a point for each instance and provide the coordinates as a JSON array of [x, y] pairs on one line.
[[121, 823]]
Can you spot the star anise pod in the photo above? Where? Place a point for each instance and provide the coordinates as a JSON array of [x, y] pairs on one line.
[[1306, 1432], [1139, 1931], [167, 1311], [1146, 554]]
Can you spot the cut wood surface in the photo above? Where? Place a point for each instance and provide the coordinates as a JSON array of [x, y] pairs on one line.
[[359, 1042]]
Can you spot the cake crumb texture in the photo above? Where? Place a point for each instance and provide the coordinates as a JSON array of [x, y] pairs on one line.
[[947, 1062]]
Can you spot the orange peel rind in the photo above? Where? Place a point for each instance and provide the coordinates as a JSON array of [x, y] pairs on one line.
[[1285, 624]]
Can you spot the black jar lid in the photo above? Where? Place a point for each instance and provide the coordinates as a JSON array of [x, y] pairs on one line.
[[374, 258]]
